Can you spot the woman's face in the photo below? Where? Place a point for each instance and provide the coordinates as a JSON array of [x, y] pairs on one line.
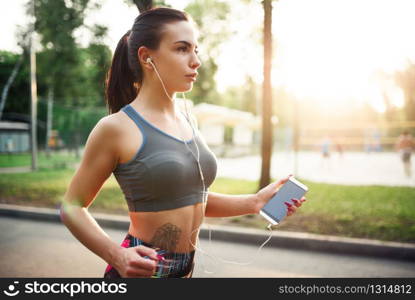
[[176, 59]]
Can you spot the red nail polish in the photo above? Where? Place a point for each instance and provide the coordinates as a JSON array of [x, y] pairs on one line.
[[288, 204], [160, 257]]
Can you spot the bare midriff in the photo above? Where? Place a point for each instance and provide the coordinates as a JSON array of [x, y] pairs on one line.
[[173, 230]]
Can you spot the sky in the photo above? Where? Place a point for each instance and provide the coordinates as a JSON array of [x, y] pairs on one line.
[[115, 14], [329, 51]]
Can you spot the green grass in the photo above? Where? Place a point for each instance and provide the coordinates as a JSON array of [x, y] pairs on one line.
[[380, 212], [47, 186], [56, 160], [375, 212]]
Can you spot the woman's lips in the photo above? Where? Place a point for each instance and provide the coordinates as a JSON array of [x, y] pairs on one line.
[[192, 77]]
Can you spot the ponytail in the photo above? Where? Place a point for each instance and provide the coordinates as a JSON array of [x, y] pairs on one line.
[[125, 74], [121, 85]]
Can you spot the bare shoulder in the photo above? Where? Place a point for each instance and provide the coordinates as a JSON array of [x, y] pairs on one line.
[[112, 127], [110, 124], [105, 134]]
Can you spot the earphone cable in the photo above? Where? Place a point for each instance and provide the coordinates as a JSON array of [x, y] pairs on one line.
[[204, 190]]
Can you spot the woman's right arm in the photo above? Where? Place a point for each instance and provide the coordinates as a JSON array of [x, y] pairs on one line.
[[99, 159]]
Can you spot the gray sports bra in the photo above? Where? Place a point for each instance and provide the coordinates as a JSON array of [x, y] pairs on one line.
[[163, 173]]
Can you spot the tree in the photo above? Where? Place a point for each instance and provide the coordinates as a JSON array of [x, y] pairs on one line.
[[18, 88], [9, 82], [73, 76], [267, 97], [78, 80], [210, 17], [406, 80], [242, 97], [55, 23]]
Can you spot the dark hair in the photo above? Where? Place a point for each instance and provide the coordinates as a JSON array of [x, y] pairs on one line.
[[125, 75]]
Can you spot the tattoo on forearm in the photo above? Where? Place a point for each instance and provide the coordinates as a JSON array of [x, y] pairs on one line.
[[166, 237]]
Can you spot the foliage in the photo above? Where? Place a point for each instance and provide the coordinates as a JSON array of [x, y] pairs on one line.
[[19, 93], [75, 75], [245, 97], [55, 23], [406, 79], [210, 17]]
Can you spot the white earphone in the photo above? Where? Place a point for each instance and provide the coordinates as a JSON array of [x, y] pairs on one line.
[[150, 61]]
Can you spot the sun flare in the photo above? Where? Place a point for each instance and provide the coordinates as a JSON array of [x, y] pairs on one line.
[[334, 50], [329, 50]]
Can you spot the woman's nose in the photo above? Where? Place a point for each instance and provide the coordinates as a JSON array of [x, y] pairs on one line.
[[196, 63]]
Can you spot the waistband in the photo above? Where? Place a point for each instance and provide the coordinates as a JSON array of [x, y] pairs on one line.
[[177, 265]]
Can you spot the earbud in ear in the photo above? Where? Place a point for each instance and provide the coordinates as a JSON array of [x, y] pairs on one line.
[[149, 60]]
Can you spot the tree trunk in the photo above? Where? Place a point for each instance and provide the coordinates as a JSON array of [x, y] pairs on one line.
[[33, 107], [49, 121], [77, 135], [9, 83], [410, 106], [267, 97], [296, 134]]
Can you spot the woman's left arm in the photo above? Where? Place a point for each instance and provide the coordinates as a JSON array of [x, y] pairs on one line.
[[221, 205]]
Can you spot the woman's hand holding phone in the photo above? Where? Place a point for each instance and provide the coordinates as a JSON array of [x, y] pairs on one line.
[[266, 193]]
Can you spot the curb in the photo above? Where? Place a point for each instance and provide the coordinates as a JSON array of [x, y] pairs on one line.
[[280, 239]]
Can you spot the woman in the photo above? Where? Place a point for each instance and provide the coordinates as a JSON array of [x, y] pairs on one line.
[[149, 145]]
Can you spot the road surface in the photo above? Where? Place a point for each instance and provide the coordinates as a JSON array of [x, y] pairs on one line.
[[46, 249]]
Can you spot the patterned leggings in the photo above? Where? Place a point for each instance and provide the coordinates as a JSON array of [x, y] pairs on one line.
[[177, 265]]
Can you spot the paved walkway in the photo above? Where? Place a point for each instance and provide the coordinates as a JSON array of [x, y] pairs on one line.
[[352, 168], [15, 170]]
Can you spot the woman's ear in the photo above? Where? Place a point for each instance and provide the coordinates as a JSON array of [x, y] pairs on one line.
[[143, 55]]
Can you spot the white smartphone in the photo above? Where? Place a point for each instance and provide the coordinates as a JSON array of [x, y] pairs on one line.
[[275, 210]]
